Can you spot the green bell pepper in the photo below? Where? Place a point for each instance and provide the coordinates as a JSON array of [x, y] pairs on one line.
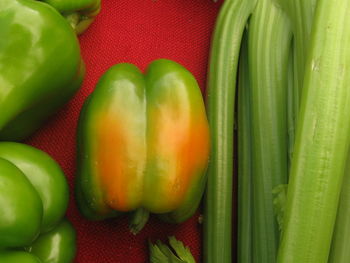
[[143, 145], [40, 65], [56, 246], [18, 257], [33, 201], [80, 13]]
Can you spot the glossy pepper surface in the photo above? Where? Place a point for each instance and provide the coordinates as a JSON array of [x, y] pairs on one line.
[[143, 144], [40, 65], [33, 201]]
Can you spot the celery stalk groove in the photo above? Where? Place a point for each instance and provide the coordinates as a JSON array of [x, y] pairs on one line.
[[244, 242]]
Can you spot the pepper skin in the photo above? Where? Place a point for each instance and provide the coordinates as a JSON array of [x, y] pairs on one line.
[[19, 226], [143, 144], [33, 201], [17, 257], [56, 246], [80, 13], [40, 66]]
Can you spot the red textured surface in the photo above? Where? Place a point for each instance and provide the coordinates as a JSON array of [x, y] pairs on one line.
[[135, 31]]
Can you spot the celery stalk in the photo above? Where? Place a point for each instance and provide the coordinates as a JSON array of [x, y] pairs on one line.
[[269, 44], [220, 101], [322, 139], [301, 13], [340, 251]]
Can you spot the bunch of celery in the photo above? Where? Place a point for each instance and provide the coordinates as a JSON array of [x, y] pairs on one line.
[[293, 132]]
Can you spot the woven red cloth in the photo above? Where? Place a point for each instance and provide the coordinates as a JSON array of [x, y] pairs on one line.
[[134, 31]]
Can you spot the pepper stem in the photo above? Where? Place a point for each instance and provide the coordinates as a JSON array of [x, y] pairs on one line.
[[79, 22], [138, 220]]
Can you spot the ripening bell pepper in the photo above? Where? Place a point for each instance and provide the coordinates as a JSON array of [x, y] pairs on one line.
[[143, 144], [80, 13], [33, 201], [40, 65]]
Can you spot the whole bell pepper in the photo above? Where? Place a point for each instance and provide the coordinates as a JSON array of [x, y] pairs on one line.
[[33, 201], [80, 13], [40, 65], [143, 145]]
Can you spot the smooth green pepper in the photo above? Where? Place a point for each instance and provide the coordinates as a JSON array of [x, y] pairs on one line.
[[19, 226], [80, 13], [18, 257], [33, 201], [56, 246], [40, 65], [143, 144]]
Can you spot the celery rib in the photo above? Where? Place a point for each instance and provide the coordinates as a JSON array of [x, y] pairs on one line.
[[322, 139], [269, 43], [300, 13], [340, 252], [220, 101]]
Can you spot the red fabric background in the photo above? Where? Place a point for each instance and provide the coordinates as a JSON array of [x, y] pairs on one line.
[[135, 31]]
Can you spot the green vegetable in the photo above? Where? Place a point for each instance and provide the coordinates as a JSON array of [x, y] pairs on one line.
[[143, 145], [33, 201], [279, 202], [18, 226], [301, 14], [40, 66], [177, 253], [244, 239], [56, 246], [80, 13], [322, 139], [220, 101], [269, 43], [293, 109], [340, 252], [18, 257]]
